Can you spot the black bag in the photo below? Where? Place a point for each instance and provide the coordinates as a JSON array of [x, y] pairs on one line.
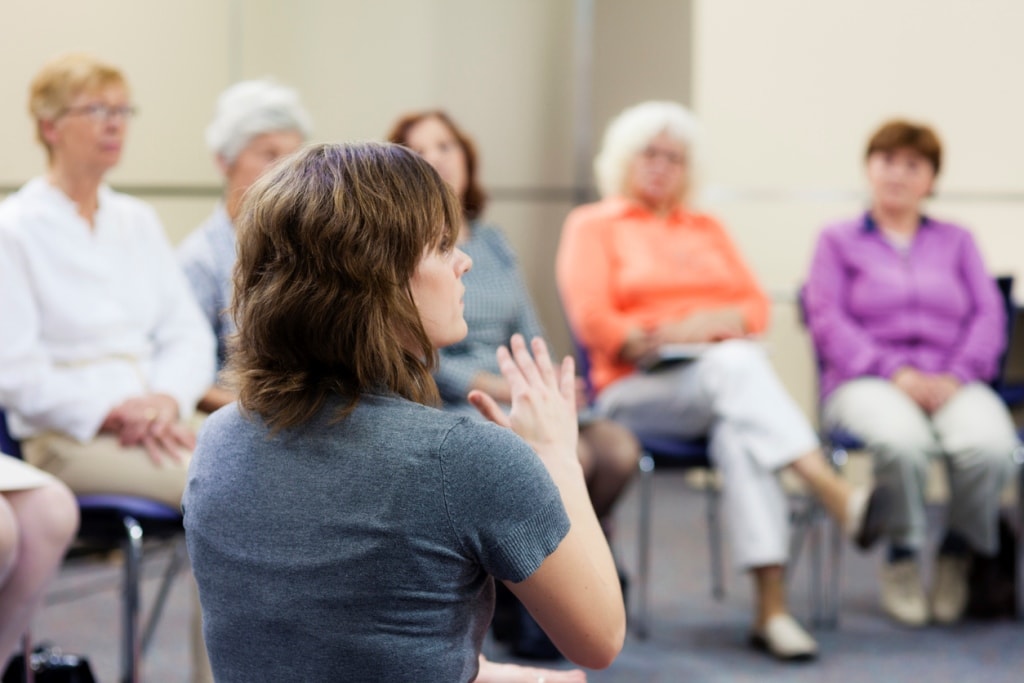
[[992, 581], [50, 665]]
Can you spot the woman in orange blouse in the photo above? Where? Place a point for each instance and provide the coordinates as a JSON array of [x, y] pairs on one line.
[[639, 270]]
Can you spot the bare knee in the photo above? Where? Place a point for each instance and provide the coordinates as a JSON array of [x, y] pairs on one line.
[[736, 354], [49, 514]]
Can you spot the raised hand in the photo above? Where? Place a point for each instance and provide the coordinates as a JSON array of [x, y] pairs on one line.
[[543, 398]]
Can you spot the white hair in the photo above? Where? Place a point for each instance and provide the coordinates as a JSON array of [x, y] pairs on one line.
[[632, 130], [251, 108]]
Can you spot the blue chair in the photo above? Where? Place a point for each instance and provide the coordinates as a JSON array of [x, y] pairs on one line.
[[664, 452], [109, 522], [839, 443]]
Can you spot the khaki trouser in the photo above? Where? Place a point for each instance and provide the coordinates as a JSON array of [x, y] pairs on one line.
[[973, 432], [104, 466]]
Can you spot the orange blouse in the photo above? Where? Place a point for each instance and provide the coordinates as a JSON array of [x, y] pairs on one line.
[[620, 266]]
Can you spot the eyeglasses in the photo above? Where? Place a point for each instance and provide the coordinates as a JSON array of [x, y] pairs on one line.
[[654, 153], [101, 113]]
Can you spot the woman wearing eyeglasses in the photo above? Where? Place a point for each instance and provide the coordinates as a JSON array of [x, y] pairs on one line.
[[642, 269], [103, 351]]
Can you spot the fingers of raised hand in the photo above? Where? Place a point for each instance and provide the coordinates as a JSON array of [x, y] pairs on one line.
[[567, 380], [542, 358], [489, 408], [510, 370], [524, 361]]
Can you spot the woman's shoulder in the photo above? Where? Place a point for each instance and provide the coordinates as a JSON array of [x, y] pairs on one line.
[[947, 227], [127, 205], [600, 212], [31, 198], [842, 234]]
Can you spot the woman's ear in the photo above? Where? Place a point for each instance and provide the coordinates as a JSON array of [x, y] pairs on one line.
[[222, 165], [48, 131]]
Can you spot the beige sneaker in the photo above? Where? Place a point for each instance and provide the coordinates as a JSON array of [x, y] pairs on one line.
[[903, 596], [949, 590]]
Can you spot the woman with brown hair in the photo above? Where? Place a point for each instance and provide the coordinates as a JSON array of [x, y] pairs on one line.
[[910, 327], [498, 305], [340, 527]]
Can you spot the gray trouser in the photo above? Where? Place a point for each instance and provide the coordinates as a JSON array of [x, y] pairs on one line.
[[973, 432]]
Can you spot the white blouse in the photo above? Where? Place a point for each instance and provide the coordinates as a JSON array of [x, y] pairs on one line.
[[91, 316]]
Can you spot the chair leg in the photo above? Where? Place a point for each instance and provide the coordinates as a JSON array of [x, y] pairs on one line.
[[132, 547], [173, 567], [814, 549], [831, 615], [830, 597], [715, 542], [29, 676], [1019, 457], [646, 491]]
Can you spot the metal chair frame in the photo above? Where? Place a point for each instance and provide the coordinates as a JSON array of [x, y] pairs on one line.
[[677, 454]]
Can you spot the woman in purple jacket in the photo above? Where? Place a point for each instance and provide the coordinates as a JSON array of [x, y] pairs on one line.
[[910, 327]]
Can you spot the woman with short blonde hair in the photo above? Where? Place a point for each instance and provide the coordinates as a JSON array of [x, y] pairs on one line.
[[103, 352]]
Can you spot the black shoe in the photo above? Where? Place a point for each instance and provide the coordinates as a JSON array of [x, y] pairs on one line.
[[873, 518]]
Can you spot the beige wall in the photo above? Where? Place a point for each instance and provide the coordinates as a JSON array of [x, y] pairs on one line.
[[504, 69], [789, 91]]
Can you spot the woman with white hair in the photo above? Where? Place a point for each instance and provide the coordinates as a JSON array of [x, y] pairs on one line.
[[639, 270], [255, 123]]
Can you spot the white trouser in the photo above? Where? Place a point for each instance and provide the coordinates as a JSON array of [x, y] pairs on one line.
[[731, 395], [973, 432]]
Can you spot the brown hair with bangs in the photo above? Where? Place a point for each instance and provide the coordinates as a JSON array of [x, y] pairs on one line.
[[64, 78], [901, 134], [474, 199], [327, 244]]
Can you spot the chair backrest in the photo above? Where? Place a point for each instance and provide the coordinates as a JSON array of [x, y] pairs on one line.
[[583, 366], [1012, 394]]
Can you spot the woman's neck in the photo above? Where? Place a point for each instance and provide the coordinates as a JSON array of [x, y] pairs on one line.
[[80, 187], [898, 220], [660, 209], [233, 202]]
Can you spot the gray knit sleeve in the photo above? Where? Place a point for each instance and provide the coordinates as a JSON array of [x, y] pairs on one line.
[[502, 505]]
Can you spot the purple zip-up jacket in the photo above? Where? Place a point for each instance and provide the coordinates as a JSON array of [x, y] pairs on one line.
[[873, 309]]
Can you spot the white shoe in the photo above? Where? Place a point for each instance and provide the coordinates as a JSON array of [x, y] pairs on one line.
[[949, 589], [903, 596], [785, 639]]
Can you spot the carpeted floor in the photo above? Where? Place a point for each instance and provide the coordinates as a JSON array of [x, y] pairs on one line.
[[693, 637]]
